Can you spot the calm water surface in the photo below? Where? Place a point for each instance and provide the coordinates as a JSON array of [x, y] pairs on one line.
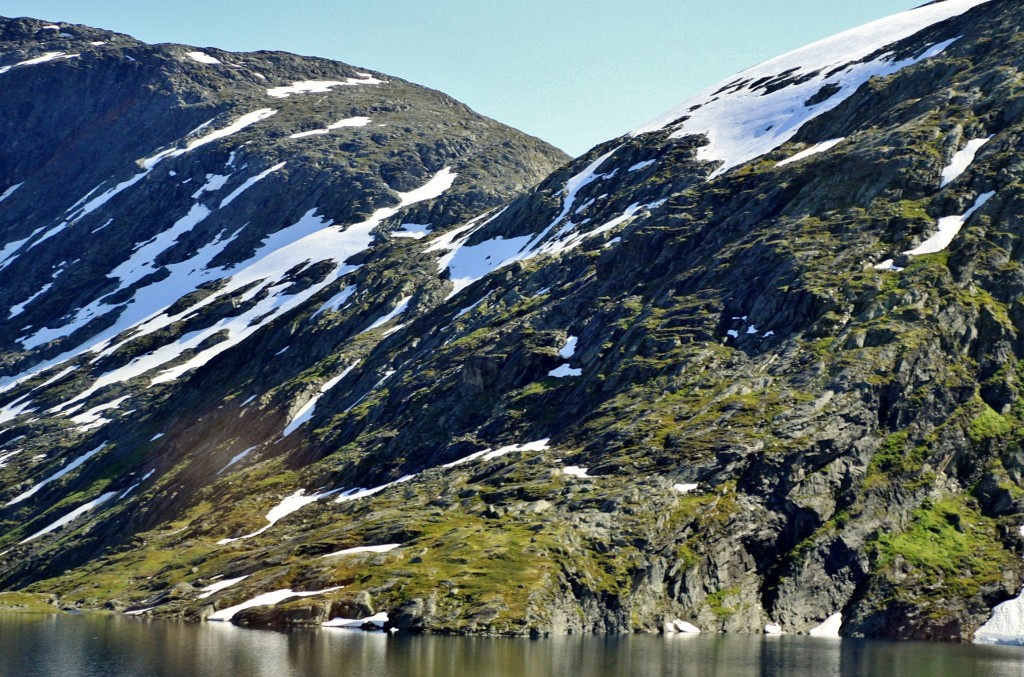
[[87, 646]]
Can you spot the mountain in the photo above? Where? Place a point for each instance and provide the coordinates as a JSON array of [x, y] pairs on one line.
[[755, 366]]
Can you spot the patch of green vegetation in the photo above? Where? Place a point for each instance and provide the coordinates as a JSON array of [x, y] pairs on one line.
[[988, 424], [950, 547], [686, 556], [892, 454], [716, 601], [535, 388], [823, 347], [26, 603]]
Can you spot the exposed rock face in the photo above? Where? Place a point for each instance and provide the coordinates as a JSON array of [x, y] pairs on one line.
[[770, 412]]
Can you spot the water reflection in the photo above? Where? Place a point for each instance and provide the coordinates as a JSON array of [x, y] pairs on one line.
[[85, 646]]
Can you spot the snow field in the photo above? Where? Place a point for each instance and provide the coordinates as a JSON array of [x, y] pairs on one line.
[[766, 105]]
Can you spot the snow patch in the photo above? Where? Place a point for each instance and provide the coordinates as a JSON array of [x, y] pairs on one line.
[[347, 122], [209, 590], [238, 125], [335, 303], [92, 416], [830, 628], [569, 349], [236, 458], [888, 264], [682, 627], [356, 494], [490, 454], [576, 471], [214, 182], [295, 502], [379, 620], [640, 166], [4, 458], [467, 264], [203, 57], [1006, 626], [134, 486], [45, 58], [765, 106], [319, 86], [470, 308], [305, 413], [249, 184], [71, 516], [266, 599], [311, 239], [395, 312], [364, 549], [962, 160], [948, 229], [565, 371], [10, 191], [437, 186], [813, 150], [415, 231], [20, 308], [73, 465]]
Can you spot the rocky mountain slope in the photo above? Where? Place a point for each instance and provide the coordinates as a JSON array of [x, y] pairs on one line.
[[755, 365]]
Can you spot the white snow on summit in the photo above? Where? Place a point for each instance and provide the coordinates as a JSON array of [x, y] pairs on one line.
[[203, 57], [765, 106], [320, 86], [45, 58]]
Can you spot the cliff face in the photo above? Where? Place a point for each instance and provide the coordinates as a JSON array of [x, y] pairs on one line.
[[756, 363]]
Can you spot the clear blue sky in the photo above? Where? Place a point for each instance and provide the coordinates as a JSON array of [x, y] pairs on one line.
[[572, 72]]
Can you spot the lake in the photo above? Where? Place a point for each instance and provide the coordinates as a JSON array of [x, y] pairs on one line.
[[114, 646]]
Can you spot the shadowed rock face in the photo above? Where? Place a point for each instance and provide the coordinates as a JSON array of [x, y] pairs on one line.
[[760, 424]]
